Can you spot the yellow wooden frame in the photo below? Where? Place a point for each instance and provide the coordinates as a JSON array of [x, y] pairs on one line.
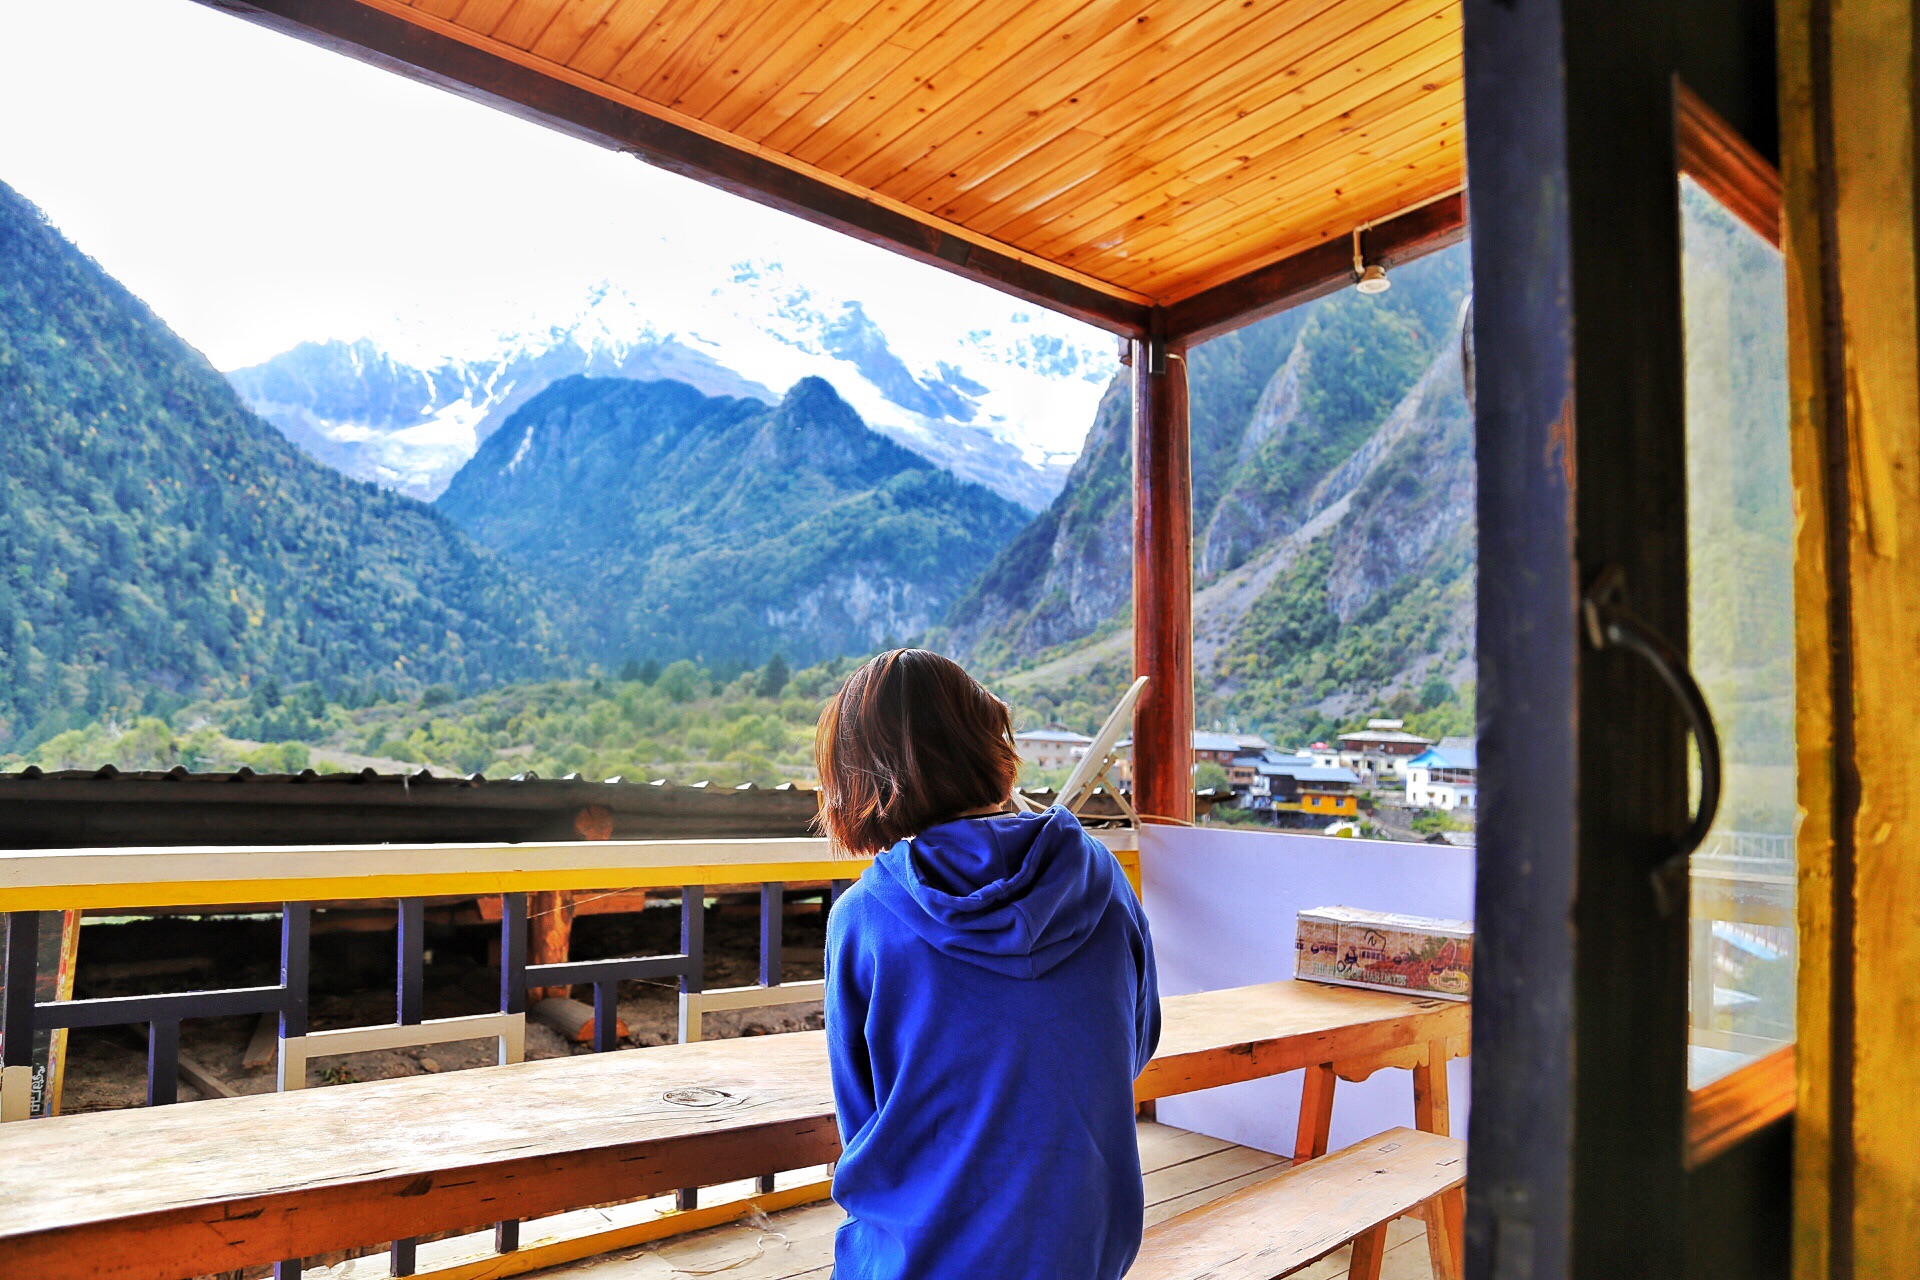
[[92, 879]]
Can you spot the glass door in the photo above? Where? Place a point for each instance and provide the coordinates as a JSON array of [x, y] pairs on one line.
[[1740, 548]]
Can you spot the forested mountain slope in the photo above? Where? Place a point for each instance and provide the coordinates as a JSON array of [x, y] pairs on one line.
[[680, 525], [1070, 571], [158, 541], [1333, 502]]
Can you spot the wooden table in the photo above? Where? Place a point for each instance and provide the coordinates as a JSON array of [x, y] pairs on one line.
[[156, 1194]]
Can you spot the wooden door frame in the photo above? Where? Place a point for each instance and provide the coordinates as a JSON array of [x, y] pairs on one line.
[[1579, 1088]]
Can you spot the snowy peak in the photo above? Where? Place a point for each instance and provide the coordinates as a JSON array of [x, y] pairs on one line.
[[1004, 408], [367, 412]]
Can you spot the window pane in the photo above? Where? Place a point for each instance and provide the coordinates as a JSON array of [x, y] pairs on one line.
[[1740, 559]]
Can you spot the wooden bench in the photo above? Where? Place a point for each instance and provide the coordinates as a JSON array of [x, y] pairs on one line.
[[1213, 1210], [1288, 1221], [165, 1192]]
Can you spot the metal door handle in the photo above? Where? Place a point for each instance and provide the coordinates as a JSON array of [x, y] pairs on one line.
[[1609, 625]]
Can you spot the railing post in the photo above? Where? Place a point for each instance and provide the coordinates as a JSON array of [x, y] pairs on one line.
[[773, 915], [163, 1062], [410, 984], [296, 927], [606, 1016], [513, 999], [513, 953], [693, 945], [410, 963], [16, 1015]]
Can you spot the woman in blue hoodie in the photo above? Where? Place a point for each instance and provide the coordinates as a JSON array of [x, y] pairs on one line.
[[990, 999]]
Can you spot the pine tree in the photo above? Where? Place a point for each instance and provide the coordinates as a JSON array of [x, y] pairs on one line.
[[773, 676]]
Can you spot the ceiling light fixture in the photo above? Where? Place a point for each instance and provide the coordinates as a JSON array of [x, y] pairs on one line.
[[1369, 278]]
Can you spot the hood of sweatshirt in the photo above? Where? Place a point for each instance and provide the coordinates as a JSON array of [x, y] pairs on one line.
[[1014, 893]]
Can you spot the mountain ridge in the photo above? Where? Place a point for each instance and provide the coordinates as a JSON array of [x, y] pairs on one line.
[[337, 399], [684, 525], [1333, 497], [160, 540]]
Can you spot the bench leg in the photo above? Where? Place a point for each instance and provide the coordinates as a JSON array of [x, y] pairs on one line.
[[1316, 1113], [1369, 1248], [1445, 1216], [1430, 1108]]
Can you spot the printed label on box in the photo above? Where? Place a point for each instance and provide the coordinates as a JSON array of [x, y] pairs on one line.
[[1390, 952]]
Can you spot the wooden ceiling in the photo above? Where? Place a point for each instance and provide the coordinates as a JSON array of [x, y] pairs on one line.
[[1148, 150]]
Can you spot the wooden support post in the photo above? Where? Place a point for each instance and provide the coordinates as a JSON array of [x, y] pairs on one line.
[[1848, 90], [1369, 1249], [1162, 583], [550, 913], [1430, 1090], [1316, 1113], [1445, 1214]]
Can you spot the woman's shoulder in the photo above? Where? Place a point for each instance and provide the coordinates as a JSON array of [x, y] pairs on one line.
[[854, 911]]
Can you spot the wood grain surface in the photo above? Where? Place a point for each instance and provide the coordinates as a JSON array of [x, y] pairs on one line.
[[1244, 1033], [1159, 146], [1287, 1221], [156, 1194]]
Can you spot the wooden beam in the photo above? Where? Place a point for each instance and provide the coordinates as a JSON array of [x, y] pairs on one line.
[[1317, 272], [1577, 1148], [394, 43], [1519, 1149], [1848, 95], [1162, 583]]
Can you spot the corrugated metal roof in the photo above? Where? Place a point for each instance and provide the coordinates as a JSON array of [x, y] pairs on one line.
[[1452, 753]]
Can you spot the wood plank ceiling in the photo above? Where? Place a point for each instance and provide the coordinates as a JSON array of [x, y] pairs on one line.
[[1150, 148]]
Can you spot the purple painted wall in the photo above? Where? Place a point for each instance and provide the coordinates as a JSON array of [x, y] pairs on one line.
[[1222, 903]]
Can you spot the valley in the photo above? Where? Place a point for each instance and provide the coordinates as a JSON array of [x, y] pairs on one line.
[[250, 573]]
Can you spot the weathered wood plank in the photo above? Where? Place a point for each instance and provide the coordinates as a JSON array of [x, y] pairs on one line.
[[1287, 1221], [221, 1184], [1244, 1033], [174, 1191]]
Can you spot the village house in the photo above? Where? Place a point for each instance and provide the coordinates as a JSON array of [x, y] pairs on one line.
[[1444, 776], [1281, 783], [1378, 753], [1051, 746]]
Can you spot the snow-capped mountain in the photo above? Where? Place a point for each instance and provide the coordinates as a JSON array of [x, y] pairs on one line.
[[1005, 408]]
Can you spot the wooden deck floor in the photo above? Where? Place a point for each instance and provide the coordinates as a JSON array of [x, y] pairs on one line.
[[1183, 1170]]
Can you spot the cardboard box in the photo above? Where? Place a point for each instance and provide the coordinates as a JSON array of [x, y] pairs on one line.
[[1385, 952]]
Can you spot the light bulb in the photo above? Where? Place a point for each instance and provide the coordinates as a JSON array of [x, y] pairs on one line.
[[1374, 279]]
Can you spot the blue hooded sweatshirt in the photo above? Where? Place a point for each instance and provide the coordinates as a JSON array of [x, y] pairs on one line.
[[990, 998]]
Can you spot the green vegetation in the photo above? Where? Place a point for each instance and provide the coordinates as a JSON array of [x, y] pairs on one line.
[[626, 576], [679, 525], [1432, 821], [1293, 651], [1361, 358], [159, 543], [690, 724]]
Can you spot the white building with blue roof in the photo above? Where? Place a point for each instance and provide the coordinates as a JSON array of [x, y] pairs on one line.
[[1444, 776]]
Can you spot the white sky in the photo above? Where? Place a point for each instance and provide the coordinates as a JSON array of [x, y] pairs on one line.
[[257, 191]]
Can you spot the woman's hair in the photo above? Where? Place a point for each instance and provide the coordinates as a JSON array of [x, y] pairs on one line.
[[910, 740]]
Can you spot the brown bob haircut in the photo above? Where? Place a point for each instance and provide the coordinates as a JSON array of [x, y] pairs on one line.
[[911, 740]]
